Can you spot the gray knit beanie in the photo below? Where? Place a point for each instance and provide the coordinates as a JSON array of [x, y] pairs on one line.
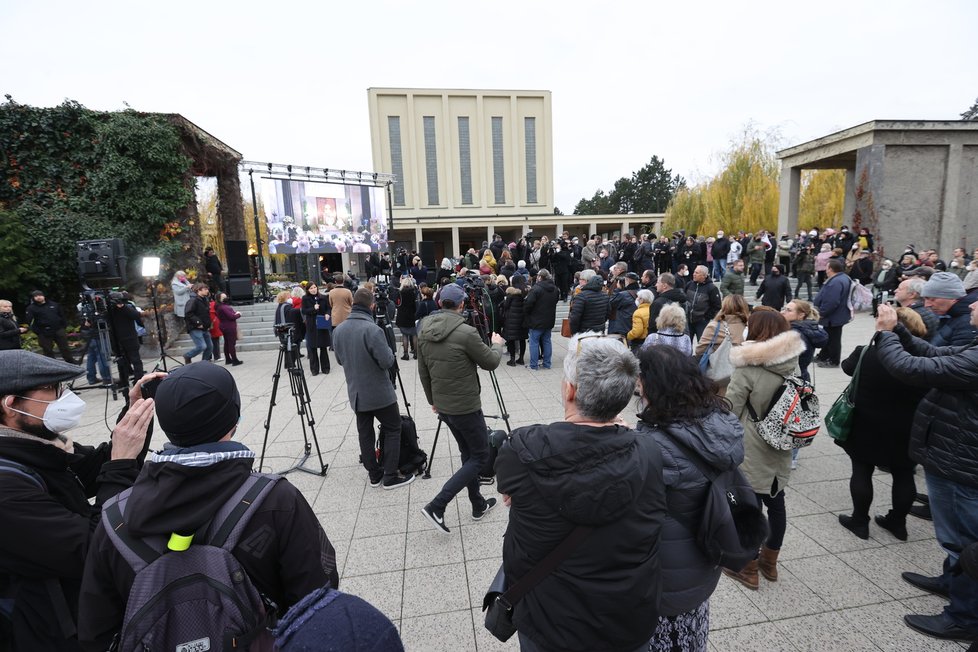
[[943, 285]]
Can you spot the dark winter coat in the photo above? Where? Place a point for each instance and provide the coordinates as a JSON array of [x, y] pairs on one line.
[[420, 274], [814, 336], [425, 308], [955, 327], [775, 291], [721, 247], [45, 318], [449, 353], [295, 557], [805, 262], [688, 578], [309, 314], [622, 308], [590, 308], [514, 312], [48, 532], [228, 317], [832, 301], [732, 283], [888, 280], [198, 314], [605, 595], [540, 307], [407, 309], [362, 349], [674, 295], [884, 413], [931, 321], [862, 271], [703, 301], [9, 333], [944, 436]]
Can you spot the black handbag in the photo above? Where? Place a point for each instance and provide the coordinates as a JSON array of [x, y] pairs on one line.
[[498, 602]]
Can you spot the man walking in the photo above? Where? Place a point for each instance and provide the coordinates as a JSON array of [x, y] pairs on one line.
[[721, 249], [540, 315], [47, 321], [449, 353], [832, 302], [733, 280], [362, 349]]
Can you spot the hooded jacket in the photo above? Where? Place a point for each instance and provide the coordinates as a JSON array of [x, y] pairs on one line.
[[283, 548], [48, 530], [759, 370], [449, 352], [944, 435], [623, 305], [590, 308], [814, 336], [605, 595], [688, 578], [513, 310], [540, 308]]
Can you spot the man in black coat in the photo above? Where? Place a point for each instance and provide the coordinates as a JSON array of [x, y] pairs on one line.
[[214, 269], [590, 309], [623, 305], [944, 440], [46, 482], [540, 315], [665, 292], [122, 318], [47, 321], [721, 248], [775, 289], [703, 299]]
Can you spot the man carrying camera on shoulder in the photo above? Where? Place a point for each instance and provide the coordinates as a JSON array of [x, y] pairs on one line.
[[449, 353]]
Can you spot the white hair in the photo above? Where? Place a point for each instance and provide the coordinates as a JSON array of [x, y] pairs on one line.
[[645, 296], [603, 372]]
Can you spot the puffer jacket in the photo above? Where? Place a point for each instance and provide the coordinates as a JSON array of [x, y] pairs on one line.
[[605, 595], [814, 336], [513, 313], [759, 370], [540, 306], [449, 351], [688, 578], [732, 283], [623, 306], [640, 324], [591, 308], [955, 327], [944, 436]]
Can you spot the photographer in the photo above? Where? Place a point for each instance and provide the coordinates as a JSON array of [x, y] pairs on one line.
[[45, 488], [122, 318], [449, 352], [362, 349]]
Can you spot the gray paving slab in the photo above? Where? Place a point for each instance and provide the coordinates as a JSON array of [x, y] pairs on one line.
[[836, 592]]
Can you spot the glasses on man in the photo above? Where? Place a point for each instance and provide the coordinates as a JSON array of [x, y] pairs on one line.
[[614, 336]]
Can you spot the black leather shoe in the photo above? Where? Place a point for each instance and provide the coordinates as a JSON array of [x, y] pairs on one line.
[[929, 584], [939, 626], [893, 525], [861, 530], [921, 511]]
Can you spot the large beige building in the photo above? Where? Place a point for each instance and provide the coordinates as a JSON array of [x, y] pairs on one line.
[[470, 163]]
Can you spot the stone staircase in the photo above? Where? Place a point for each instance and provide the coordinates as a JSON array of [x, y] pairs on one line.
[[256, 322]]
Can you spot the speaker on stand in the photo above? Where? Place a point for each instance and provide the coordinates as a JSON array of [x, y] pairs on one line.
[[426, 249]]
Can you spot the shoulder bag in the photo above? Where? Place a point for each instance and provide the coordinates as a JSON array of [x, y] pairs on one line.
[[498, 602], [716, 365], [838, 420]]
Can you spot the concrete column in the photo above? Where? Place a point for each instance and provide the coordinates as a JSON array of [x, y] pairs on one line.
[[418, 237], [953, 223], [594, 229], [455, 246], [489, 231], [560, 228], [624, 228], [849, 201], [788, 205]]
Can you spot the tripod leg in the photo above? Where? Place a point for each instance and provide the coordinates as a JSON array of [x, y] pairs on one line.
[[499, 399], [311, 418], [434, 445], [271, 406]]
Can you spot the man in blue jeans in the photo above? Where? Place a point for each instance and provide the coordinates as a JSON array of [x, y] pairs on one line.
[[449, 354], [944, 440], [198, 317], [540, 315]]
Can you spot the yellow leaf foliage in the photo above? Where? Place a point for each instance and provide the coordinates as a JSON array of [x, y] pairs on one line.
[[822, 197]]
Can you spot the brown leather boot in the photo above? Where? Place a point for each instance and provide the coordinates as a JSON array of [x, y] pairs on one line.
[[747, 577], [768, 564]]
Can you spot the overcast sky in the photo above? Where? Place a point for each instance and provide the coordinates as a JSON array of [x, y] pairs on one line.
[[287, 82]]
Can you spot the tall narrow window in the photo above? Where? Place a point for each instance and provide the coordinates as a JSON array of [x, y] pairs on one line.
[[498, 167], [397, 162], [431, 159], [465, 159], [530, 140]]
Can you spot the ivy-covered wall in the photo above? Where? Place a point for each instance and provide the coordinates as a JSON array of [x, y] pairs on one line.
[[69, 173]]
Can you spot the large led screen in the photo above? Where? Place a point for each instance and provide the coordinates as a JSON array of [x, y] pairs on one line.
[[306, 217]]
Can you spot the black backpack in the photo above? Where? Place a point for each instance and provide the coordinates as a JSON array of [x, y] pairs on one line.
[[732, 527], [411, 458]]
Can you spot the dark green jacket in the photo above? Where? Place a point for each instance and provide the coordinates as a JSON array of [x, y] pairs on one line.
[[756, 251], [449, 350], [732, 283]]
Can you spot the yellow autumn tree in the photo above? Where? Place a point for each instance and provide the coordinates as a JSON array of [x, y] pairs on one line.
[[822, 197]]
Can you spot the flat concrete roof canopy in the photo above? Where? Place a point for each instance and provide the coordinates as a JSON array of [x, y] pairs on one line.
[[907, 181]]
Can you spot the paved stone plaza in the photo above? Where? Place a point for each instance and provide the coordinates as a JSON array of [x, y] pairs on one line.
[[836, 592]]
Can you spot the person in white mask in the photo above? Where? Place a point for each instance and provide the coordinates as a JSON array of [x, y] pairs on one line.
[[46, 483]]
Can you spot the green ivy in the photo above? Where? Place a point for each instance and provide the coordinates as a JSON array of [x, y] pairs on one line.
[[71, 174]]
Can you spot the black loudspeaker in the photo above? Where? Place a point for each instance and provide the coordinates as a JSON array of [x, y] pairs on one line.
[[426, 249], [239, 288], [237, 253], [101, 258]]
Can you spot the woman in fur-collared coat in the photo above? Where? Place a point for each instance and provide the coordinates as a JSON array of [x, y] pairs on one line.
[[769, 353]]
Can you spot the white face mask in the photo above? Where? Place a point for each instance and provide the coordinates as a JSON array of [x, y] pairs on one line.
[[60, 415]]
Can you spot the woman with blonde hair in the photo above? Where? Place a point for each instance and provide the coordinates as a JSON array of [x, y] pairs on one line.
[[730, 322], [488, 263], [670, 330], [803, 318], [406, 319]]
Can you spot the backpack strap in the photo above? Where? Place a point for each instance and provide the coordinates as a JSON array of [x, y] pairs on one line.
[[775, 398], [10, 467], [138, 553], [231, 520]]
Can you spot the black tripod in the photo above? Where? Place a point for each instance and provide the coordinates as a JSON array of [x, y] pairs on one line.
[[288, 356], [95, 313], [475, 315], [161, 361]]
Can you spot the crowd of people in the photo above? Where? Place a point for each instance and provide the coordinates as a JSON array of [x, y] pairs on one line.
[[104, 531]]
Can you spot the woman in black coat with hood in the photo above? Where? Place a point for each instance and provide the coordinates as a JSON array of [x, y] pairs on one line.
[[316, 304], [514, 332], [880, 436]]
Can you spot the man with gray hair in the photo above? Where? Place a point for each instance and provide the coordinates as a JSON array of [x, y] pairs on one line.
[[588, 476], [907, 295]]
